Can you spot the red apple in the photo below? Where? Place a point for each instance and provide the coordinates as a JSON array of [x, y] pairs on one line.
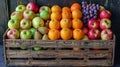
[[25, 24], [105, 14], [105, 23], [85, 30], [93, 24], [28, 14], [106, 34], [32, 6], [13, 34], [94, 34]]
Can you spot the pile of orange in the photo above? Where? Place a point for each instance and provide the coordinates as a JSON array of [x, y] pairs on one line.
[[66, 23]]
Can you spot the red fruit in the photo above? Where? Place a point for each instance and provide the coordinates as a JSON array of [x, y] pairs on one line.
[[105, 14], [85, 30], [105, 23], [106, 34], [94, 34], [93, 24], [32, 6]]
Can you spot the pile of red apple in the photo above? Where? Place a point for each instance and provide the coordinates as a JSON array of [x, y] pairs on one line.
[[25, 20], [99, 28]]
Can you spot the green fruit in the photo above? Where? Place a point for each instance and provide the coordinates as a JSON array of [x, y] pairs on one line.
[[33, 30], [37, 48], [43, 30], [45, 37], [45, 15], [25, 34], [37, 22], [37, 35], [23, 48]]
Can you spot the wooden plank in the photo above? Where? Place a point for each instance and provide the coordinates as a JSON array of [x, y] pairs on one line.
[[99, 54], [18, 54], [44, 63], [19, 63], [86, 44], [83, 63], [17, 43], [44, 43], [70, 54], [44, 54]]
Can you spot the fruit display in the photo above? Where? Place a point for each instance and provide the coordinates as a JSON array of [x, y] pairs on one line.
[[80, 21]]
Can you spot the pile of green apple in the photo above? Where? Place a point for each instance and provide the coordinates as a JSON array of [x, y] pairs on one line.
[[29, 22]]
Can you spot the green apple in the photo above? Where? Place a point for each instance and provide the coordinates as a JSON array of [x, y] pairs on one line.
[[25, 34], [45, 8], [28, 14], [14, 24], [33, 30], [23, 48], [37, 48], [37, 22], [20, 8], [25, 24], [45, 15], [16, 15]]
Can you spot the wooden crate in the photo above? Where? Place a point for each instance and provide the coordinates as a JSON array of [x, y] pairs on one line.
[[61, 55]]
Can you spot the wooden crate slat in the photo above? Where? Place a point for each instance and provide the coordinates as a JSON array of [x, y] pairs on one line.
[[17, 54], [44, 54], [99, 54], [44, 63], [86, 44], [17, 43], [71, 54], [99, 63], [44, 43], [19, 63], [83, 63]]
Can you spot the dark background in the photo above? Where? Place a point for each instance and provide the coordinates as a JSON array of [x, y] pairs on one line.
[[8, 6]]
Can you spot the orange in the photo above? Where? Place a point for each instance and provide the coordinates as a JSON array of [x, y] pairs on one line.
[[77, 24], [56, 15], [65, 23], [66, 14], [78, 34], [77, 14], [66, 9], [53, 34], [56, 8], [75, 6], [66, 34], [54, 24]]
